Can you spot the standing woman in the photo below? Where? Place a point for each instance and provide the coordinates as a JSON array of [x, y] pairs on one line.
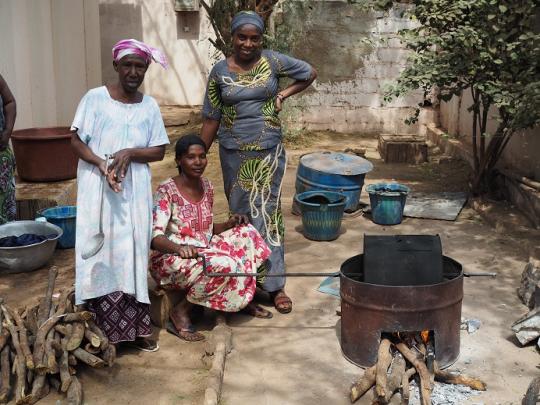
[[241, 107], [8, 112], [119, 121]]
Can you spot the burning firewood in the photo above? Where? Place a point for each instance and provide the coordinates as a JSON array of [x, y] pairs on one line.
[[449, 378], [361, 387], [400, 357], [42, 345]]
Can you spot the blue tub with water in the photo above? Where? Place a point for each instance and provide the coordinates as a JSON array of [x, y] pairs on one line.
[[322, 212], [387, 202], [64, 217], [334, 172]]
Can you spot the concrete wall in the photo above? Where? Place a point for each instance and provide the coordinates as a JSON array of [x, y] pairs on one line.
[[356, 55], [522, 154], [183, 36], [50, 57]]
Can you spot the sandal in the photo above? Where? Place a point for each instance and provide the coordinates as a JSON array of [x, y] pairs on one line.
[[282, 302], [257, 311], [144, 345], [188, 334]]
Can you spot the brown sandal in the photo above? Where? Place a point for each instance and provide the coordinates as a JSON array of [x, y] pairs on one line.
[[282, 302]]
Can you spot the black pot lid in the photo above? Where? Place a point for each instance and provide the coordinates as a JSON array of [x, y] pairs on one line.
[[336, 163]]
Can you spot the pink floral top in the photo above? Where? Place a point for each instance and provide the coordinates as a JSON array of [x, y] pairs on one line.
[[181, 220]]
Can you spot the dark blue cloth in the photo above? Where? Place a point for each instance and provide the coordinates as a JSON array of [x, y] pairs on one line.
[[24, 240], [247, 17]]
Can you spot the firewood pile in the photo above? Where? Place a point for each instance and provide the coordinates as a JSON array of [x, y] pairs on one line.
[[42, 345], [401, 358]]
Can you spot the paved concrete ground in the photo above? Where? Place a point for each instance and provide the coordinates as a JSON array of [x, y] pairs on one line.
[[296, 358]]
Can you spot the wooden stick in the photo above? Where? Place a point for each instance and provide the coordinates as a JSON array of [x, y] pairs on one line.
[[425, 386], [62, 329], [23, 338], [91, 349], [75, 393], [88, 358], [4, 336], [45, 304], [384, 358], [78, 317], [76, 337], [405, 389], [394, 380], [43, 330], [50, 353], [109, 355], [92, 337], [30, 319], [5, 367], [449, 378], [72, 360], [94, 328], [65, 377], [19, 361], [366, 382], [40, 389]]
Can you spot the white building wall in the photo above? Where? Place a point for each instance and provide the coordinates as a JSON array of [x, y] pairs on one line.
[[48, 57], [183, 36]]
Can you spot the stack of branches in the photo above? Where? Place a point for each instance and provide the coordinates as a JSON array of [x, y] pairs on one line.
[[400, 360], [41, 346]]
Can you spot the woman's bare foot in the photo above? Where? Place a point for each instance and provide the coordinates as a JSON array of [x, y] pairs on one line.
[[180, 323]]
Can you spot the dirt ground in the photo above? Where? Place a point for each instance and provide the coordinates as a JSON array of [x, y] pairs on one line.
[[296, 358]]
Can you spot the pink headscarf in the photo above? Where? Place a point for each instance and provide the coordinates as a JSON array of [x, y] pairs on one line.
[[132, 46]]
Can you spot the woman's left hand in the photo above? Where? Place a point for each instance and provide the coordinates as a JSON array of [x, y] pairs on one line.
[[237, 219], [120, 164]]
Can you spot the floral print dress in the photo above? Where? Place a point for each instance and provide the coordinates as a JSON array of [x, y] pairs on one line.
[[237, 250]]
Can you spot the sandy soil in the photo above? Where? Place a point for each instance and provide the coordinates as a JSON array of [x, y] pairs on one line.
[[296, 358]]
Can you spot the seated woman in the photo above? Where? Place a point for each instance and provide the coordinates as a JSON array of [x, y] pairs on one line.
[[183, 230]]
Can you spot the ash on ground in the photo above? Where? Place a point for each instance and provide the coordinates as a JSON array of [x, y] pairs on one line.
[[443, 394]]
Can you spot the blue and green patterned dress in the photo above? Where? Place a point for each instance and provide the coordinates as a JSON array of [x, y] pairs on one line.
[[250, 145], [7, 178]]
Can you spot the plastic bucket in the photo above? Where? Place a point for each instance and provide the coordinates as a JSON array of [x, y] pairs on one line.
[[322, 212], [387, 201], [64, 217]]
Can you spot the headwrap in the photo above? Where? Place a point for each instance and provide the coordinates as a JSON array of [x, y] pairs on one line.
[[134, 47], [247, 17]]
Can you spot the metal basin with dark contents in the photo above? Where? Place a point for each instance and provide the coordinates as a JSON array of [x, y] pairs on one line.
[[21, 259]]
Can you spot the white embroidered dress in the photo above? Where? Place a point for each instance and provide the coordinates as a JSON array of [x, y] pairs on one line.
[[107, 126]]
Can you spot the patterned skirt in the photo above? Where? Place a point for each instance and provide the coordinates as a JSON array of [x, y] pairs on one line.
[[7, 186], [252, 180], [237, 250], [121, 317]]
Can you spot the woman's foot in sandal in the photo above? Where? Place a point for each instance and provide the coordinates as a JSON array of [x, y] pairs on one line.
[[282, 302], [257, 311], [180, 324]]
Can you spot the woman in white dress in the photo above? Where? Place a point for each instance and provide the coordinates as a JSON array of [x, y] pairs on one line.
[[119, 121]]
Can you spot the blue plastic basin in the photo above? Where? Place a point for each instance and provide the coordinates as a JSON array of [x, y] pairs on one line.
[[64, 217], [322, 212], [387, 201]]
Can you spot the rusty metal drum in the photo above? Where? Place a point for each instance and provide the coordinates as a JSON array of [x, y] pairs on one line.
[[368, 310]]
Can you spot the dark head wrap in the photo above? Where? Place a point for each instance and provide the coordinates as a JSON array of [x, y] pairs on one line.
[[247, 17], [183, 144]]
